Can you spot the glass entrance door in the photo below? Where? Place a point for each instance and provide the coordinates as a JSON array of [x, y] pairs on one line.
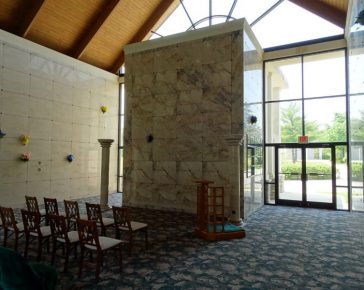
[[306, 176]]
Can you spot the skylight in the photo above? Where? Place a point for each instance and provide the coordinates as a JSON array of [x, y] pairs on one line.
[[286, 23]]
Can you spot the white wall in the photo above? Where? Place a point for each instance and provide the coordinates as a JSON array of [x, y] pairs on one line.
[[56, 100]]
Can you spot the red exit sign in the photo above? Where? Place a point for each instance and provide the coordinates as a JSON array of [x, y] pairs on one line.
[[303, 139]]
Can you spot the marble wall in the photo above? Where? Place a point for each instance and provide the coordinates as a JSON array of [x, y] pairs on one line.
[[189, 97], [56, 101]]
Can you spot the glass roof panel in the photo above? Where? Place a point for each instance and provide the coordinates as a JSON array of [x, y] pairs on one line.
[[251, 9]]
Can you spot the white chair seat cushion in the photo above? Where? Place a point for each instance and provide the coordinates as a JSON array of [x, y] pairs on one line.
[[82, 217], [46, 231], [72, 236], [20, 227], [135, 226], [105, 243], [42, 212], [107, 221]]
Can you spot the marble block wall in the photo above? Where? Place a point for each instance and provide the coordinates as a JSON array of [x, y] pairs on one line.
[[182, 100], [56, 101]]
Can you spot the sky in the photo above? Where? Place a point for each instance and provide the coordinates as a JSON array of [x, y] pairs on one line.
[[287, 23]]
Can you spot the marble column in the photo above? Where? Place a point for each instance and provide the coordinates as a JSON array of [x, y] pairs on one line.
[[234, 142], [104, 194]]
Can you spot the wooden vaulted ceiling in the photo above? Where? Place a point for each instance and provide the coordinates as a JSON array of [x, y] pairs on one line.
[[95, 31]]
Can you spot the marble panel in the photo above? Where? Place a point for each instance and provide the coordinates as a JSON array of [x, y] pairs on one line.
[[188, 171], [112, 88], [141, 127], [189, 102], [141, 150], [93, 186], [142, 106], [41, 88], [164, 149], [189, 125], [219, 172], [16, 82], [42, 67], [40, 108], [164, 172], [216, 149], [143, 62], [164, 127], [81, 97], [14, 104], [166, 196], [39, 170], [14, 126], [40, 150], [143, 171], [81, 133], [168, 58], [143, 192], [190, 78], [61, 169], [60, 187], [61, 131], [165, 82], [189, 149], [63, 93], [40, 128], [165, 104], [38, 188], [61, 112], [10, 149], [11, 171], [12, 194], [59, 150], [216, 99], [79, 185], [16, 59], [216, 49], [216, 75], [81, 115], [216, 123]]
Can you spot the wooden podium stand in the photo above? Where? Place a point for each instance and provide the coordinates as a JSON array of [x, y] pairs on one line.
[[211, 222]]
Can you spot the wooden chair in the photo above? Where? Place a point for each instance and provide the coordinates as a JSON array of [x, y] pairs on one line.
[[32, 205], [91, 241], [72, 213], [62, 237], [9, 224], [33, 229], [94, 214], [124, 224]]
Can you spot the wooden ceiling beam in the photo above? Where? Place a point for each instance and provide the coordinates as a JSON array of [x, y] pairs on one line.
[[328, 12], [29, 18], [86, 38], [143, 31]]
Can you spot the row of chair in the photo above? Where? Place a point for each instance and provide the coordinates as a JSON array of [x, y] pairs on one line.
[[70, 229]]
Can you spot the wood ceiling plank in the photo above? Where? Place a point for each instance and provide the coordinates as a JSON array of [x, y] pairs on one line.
[[93, 29], [324, 10], [143, 31], [29, 18]]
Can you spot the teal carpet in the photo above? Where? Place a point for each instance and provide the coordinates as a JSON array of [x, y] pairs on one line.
[[285, 248]]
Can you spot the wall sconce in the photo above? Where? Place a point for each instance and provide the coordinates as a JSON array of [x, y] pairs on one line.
[[24, 139], [2, 134], [360, 18], [70, 157], [104, 109], [253, 119]]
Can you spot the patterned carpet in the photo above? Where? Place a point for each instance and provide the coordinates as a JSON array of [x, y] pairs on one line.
[[285, 248]]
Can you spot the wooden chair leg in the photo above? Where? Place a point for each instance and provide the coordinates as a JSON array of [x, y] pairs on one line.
[[66, 257], [39, 249], [98, 266], [16, 241], [5, 236], [54, 249], [120, 258], [80, 266], [26, 246]]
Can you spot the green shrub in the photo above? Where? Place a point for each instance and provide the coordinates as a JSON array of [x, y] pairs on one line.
[[357, 171], [324, 169]]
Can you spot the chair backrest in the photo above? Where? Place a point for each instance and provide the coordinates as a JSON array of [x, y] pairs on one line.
[[8, 217], [88, 234], [32, 203], [121, 216], [71, 208], [51, 206], [58, 227], [31, 221], [94, 212]]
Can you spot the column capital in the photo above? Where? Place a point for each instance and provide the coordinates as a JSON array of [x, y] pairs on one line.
[[234, 140], [105, 142]]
